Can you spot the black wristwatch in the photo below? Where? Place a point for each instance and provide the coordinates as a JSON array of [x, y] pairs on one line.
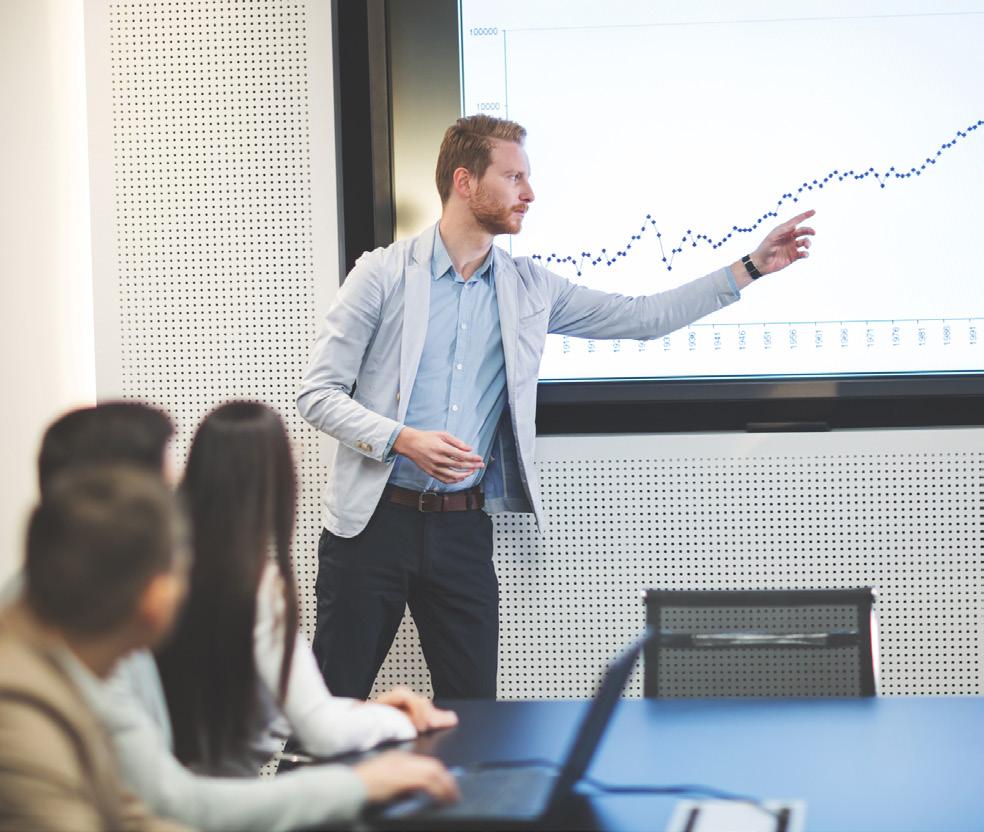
[[750, 266]]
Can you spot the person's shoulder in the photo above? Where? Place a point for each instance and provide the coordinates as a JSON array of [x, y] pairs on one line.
[[43, 760], [56, 767], [397, 254], [25, 665], [34, 690], [18, 662], [527, 271]]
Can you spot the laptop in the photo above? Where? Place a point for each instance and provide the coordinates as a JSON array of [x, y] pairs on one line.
[[502, 796]]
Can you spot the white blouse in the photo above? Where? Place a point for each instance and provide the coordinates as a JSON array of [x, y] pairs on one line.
[[324, 724]]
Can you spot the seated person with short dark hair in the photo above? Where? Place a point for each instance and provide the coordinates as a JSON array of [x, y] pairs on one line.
[[129, 432], [136, 714], [105, 573]]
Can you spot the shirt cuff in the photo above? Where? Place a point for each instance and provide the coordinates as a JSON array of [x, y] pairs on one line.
[[388, 453], [731, 282]]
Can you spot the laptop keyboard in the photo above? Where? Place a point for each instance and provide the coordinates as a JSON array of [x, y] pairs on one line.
[[513, 792]]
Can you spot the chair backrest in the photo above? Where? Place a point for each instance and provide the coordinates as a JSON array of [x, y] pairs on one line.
[[760, 643]]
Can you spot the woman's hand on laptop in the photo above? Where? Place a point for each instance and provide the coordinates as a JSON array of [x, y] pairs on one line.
[[396, 772], [422, 713]]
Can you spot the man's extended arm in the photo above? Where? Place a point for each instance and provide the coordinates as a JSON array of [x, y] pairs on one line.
[[577, 310]]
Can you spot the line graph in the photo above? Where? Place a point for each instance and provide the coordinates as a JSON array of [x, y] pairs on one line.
[[665, 141], [693, 239]]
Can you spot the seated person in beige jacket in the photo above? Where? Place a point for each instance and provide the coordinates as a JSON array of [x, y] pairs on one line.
[[105, 572]]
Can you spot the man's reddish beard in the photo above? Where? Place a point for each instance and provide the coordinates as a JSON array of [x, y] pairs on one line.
[[494, 216]]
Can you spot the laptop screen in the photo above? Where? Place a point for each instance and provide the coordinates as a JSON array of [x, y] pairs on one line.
[[599, 714]]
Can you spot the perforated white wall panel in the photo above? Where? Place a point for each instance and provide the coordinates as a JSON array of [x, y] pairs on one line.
[[211, 210], [215, 245]]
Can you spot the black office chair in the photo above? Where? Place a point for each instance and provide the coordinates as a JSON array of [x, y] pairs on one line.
[[761, 643]]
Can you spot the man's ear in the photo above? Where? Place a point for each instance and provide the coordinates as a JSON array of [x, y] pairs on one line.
[[463, 181], [159, 605]]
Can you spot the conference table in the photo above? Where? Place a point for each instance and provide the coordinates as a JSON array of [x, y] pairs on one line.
[[908, 764]]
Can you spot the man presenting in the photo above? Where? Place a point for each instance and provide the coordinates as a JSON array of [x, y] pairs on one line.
[[425, 372]]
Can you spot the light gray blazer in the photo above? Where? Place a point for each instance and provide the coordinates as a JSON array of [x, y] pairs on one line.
[[357, 387]]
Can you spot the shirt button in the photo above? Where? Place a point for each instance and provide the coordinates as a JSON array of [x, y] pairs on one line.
[[464, 326], [459, 366], [454, 407]]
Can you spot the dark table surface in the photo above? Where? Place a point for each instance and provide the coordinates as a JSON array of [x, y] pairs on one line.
[[863, 765]]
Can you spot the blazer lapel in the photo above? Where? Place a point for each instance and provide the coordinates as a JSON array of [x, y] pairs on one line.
[[416, 309], [505, 295]]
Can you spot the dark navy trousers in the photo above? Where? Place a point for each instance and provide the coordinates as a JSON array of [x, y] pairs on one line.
[[438, 563]]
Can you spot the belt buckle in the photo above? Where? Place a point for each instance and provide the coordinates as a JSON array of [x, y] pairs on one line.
[[429, 501]]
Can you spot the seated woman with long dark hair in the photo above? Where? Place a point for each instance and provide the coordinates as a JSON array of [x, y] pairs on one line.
[[236, 666]]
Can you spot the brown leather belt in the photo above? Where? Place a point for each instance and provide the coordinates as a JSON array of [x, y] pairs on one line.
[[427, 501]]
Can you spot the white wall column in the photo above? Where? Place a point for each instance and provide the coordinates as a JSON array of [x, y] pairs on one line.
[[46, 337]]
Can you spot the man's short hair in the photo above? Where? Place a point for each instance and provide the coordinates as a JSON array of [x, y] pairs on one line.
[[115, 432], [94, 542], [468, 144]]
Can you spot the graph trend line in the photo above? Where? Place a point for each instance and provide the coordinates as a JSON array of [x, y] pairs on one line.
[[692, 239]]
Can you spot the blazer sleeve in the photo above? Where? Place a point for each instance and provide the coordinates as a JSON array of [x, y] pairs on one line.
[[325, 398], [588, 313]]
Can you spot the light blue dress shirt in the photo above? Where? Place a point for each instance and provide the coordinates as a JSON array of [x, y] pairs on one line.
[[461, 380]]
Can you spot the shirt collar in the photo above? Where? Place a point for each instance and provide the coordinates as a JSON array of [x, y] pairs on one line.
[[441, 260], [90, 686]]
